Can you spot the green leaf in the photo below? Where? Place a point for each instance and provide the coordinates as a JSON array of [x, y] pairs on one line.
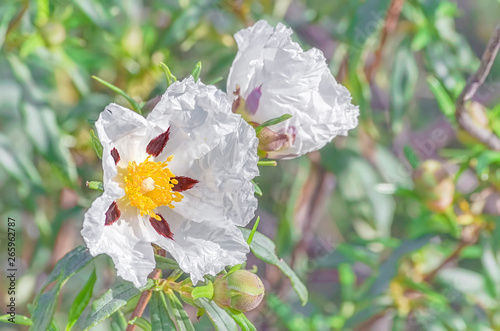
[[142, 323], [41, 127], [179, 314], [81, 301], [206, 291], [160, 319], [404, 78], [254, 229], [44, 303], [115, 298], [257, 188], [196, 71], [265, 250], [411, 156], [164, 263], [133, 103], [19, 319], [390, 267], [45, 307], [347, 279], [170, 78], [445, 102], [241, 320], [95, 185], [215, 81], [118, 321], [220, 319], [96, 143], [272, 121]]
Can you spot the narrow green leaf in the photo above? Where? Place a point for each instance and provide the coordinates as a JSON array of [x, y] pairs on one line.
[[44, 303], [267, 163], [142, 323], [445, 102], [196, 71], [18, 319], [206, 291], [96, 143], [411, 156], [45, 307], [180, 316], [272, 121], [95, 185], [389, 268], [220, 319], [241, 320], [265, 250], [215, 81], [347, 279], [81, 301], [257, 188], [133, 103], [170, 78], [118, 321], [164, 263], [250, 236], [160, 319], [115, 298]]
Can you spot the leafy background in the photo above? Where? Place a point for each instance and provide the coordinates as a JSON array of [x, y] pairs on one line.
[[346, 219]]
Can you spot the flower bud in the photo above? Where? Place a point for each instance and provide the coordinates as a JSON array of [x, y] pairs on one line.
[[434, 185], [240, 290]]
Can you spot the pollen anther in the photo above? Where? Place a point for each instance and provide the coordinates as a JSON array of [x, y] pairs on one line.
[[149, 184]]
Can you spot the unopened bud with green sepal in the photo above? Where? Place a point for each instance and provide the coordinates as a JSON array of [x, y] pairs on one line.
[[434, 185], [240, 290]]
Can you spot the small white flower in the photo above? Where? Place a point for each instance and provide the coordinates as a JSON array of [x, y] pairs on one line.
[[180, 179], [272, 76]]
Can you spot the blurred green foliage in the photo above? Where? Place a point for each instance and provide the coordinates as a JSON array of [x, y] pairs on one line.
[[347, 219]]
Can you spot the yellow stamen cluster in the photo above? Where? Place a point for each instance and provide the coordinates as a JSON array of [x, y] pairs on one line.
[[149, 184]]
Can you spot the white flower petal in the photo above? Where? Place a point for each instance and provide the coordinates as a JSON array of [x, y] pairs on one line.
[[292, 82], [128, 132], [125, 241], [224, 190], [199, 116], [202, 248]]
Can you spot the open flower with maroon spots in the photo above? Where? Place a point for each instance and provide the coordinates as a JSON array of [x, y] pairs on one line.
[[180, 179], [272, 76]]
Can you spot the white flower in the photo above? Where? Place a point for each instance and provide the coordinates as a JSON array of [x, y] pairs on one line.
[[180, 179], [272, 76]]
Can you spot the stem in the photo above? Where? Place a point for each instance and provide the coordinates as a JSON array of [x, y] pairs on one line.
[[485, 135], [267, 163], [430, 276], [143, 301], [391, 22]]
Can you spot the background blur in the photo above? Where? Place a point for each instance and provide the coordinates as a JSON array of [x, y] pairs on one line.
[[369, 244]]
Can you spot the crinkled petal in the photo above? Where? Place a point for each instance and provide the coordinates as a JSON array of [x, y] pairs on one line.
[[128, 132], [125, 241], [224, 190], [199, 116], [202, 248], [291, 82]]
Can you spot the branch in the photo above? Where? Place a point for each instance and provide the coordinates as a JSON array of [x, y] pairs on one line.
[[390, 24], [464, 119], [143, 301]]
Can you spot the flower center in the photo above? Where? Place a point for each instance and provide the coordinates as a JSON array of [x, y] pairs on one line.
[[149, 184]]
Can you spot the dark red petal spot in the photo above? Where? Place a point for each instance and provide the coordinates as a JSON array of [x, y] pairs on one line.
[[156, 145], [183, 183], [115, 155], [113, 214], [162, 227]]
